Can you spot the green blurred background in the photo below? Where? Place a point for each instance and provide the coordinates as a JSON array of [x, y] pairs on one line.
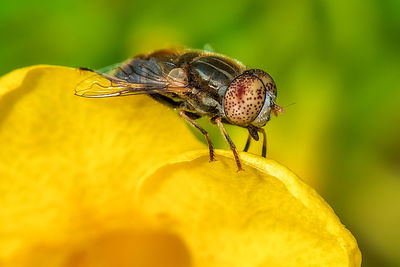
[[338, 61]]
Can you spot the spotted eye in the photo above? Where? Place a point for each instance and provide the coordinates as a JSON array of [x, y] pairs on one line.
[[244, 99], [266, 79], [269, 103]]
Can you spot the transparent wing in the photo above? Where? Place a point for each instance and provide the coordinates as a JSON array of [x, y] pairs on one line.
[[103, 85], [132, 78]]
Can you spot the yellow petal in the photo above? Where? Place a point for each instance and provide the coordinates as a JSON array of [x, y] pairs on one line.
[[264, 216], [68, 161]]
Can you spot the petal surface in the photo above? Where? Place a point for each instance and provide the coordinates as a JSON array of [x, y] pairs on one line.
[[68, 162], [263, 216]]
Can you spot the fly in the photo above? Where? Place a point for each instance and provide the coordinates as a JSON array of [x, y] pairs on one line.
[[196, 83]]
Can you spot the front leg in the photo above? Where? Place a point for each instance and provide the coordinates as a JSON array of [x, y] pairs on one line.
[[264, 147], [247, 146], [186, 117], [231, 144], [251, 134]]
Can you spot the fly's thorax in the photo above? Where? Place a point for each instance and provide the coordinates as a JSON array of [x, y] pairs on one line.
[[249, 98], [211, 72]]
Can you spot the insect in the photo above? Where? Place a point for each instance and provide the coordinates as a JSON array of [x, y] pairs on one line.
[[196, 83]]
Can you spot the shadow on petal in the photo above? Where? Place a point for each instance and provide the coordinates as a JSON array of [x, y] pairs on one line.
[[128, 248], [122, 248]]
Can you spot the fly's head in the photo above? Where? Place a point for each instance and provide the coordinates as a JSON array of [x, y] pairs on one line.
[[250, 99]]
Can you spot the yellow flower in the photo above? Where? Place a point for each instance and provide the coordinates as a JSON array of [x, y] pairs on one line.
[[123, 182]]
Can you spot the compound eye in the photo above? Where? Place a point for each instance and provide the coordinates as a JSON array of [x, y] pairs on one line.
[[266, 79], [244, 99]]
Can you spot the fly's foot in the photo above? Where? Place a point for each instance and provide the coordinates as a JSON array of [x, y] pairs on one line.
[[212, 155]]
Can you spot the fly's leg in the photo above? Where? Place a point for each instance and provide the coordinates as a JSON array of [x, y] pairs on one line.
[[231, 144], [251, 134], [183, 114], [264, 147], [246, 147]]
